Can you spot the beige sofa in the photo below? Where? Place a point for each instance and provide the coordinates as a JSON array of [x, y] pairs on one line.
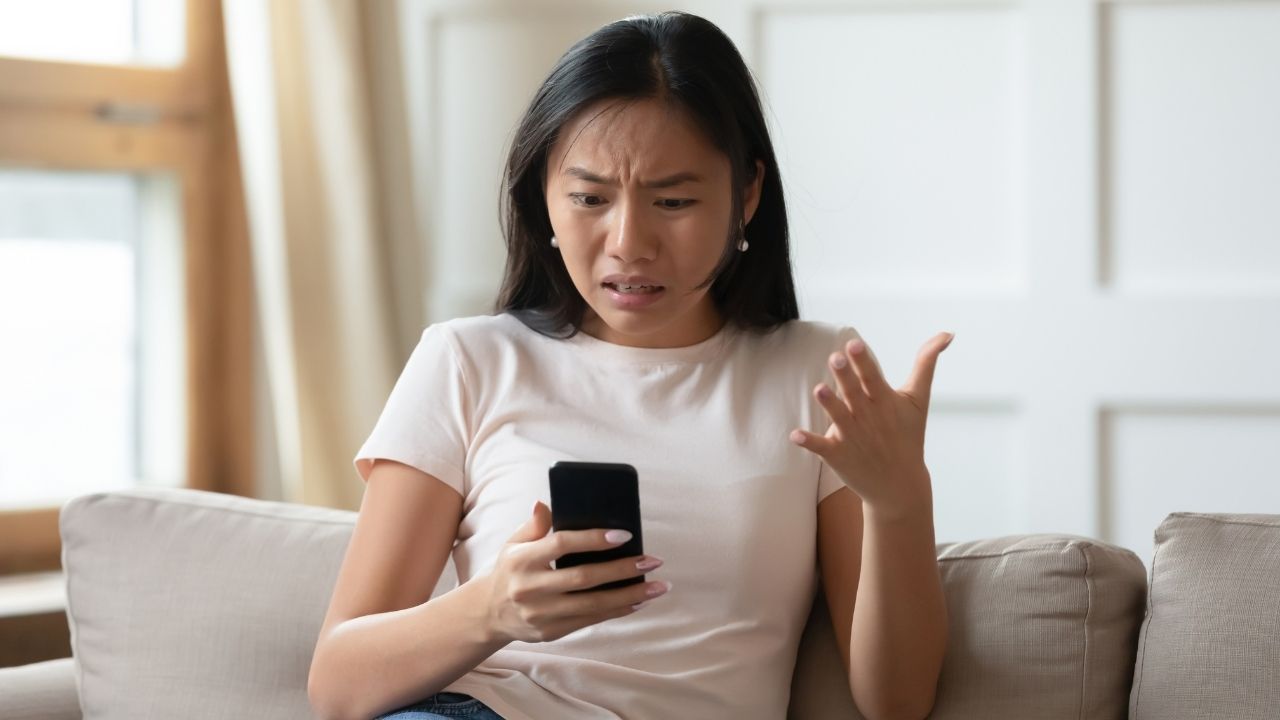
[[186, 604]]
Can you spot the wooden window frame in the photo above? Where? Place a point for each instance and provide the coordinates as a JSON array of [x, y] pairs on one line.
[[79, 116]]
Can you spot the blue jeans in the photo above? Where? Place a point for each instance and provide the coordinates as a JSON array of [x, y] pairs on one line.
[[444, 706]]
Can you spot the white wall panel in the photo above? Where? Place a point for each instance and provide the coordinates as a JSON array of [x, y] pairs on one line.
[[989, 497], [900, 140], [1163, 460], [1194, 146]]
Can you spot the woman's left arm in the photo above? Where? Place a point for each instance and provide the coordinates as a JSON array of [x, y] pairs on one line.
[[898, 631]]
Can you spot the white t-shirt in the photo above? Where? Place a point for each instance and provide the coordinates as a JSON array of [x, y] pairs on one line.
[[487, 405]]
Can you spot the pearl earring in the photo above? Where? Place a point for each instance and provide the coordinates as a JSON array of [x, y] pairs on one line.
[[554, 243], [742, 233]]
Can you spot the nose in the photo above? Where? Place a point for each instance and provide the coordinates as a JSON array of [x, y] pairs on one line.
[[632, 240]]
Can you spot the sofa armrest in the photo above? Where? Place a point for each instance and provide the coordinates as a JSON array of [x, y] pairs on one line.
[[40, 691]]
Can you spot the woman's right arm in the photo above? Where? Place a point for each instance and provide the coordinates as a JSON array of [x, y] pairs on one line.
[[383, 644], [386, 643]]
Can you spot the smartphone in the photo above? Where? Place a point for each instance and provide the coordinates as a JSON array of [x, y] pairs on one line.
[[590, 495]]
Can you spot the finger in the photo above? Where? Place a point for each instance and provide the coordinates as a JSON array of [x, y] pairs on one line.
[[554, 618], [920, 384], [868, 370], [847, 381], [820, 445], [590, 608], [603, 601], [537, 526], [562, 542], [836, 408], [589, 575], [585, 607]]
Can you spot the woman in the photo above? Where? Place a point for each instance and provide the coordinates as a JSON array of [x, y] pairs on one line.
[[647, 317]]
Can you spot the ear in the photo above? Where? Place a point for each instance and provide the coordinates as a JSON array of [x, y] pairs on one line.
[[751, 197]]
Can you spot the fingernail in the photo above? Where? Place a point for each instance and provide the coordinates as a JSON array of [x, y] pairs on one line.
[[839, 362], [656, 590], [855, 346], [824, 391], [617, 536], [648, 563], [797, 436], [637, 606]]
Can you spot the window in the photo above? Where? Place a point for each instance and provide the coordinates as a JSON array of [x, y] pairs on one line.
[[90, 299], [125, 321], [120, 32]]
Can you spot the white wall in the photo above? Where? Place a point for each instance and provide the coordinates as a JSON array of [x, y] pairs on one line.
[[1086, 193]]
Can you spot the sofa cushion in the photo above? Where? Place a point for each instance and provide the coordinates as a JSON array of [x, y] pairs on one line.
[[1041, 627], [184, 603], [1210, 644]]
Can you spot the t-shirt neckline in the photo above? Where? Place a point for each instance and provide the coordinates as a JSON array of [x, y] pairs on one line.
[[700, 351]]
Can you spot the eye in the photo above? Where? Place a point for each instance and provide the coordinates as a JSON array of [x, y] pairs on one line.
[[586, 200], [675, 203]]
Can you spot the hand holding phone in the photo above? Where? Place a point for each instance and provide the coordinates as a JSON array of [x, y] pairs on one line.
[[527, 600]]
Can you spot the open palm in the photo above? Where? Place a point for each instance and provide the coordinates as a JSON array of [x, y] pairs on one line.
[[875, 442]]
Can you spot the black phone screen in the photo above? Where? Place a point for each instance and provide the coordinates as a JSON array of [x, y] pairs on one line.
[[589, 495]]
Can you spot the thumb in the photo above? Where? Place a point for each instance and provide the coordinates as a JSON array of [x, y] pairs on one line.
[[920, 384], [536, 527]]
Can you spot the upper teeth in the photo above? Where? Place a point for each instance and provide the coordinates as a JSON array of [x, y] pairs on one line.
[[635, 287]]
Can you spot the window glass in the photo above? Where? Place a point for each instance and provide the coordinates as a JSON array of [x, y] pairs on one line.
[[123, 32], [92, 366]]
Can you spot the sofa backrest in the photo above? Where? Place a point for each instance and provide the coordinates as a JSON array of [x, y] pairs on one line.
[[189, 603], [1210, 644]]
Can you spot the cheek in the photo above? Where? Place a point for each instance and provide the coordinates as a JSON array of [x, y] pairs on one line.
[[579, 262], [701, 240]]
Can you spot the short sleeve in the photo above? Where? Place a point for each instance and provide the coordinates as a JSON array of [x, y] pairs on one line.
[[828, 480], [426, 419]]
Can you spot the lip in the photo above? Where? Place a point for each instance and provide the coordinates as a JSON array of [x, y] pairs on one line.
[[619, 279], [630, 301]]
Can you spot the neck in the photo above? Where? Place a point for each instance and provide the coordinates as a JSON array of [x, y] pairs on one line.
[[702, 323]]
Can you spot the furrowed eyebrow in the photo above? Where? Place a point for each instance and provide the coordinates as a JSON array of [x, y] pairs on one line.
[[666, 182]]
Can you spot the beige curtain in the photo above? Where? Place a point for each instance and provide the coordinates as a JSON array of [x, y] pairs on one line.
[[327, 313]]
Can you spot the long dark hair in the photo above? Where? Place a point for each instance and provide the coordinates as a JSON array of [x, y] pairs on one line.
[[685, 60]]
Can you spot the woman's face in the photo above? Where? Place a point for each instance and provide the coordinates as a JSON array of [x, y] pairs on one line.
[[634, 191]]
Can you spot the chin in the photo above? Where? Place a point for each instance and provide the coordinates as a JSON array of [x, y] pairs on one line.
[[635, 324]]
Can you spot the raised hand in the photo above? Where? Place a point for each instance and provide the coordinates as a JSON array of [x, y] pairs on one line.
[[876, 439]]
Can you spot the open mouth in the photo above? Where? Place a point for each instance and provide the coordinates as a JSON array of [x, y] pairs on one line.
[[634, 289]]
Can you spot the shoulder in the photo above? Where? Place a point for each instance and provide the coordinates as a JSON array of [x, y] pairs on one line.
[[486, 340], [809, 335], [796, 347], [474, 330]]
